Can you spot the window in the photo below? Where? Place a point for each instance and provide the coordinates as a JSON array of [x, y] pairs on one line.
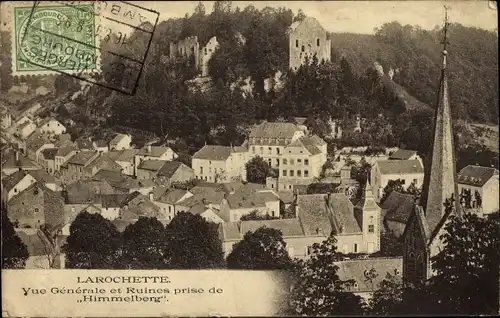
[[355, 248], [299, 173], [284, 173], [403, 181], [209, 169], [303, 48], [201, 170], [371, 228], [290, 187], [291, 173], [277, 150], [36, 210], [253, 149], [261, 150], [270, 150], [306, 173], [299, 161], [210, 178], [205, 51], [306, 162], [277, 162], [415, 182], [209, 162], [291, 161], [272, 186], [15, 190], [317, 42], [296, 43], [285, 162], [269, 162]]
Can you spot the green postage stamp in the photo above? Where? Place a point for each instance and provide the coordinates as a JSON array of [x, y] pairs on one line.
[[54, 37]]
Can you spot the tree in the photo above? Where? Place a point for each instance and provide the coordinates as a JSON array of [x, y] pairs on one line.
[[466, 279], [390, 245], [264, 249], [387, 299], [257, 170], [318, 290], [93, 243], [300, 16], [144, 244], [193, 243], [392, 185], [361, 171], [14, 251], [255, 215]]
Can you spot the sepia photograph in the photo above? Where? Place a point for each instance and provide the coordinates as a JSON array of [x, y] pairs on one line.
[[249, 158]]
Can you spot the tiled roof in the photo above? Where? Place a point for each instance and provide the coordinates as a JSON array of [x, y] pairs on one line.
[[172, 196], [248, 200], [9, 161], [274, 130], [211, 152], [123, 155], [159, 191], [476, 175], [87, 191], [313, 150], [64, 151], [151, 165], [198, 209], [210, 195], [36, 140], [286, 196], [42, 176], [9, 182], [83, 158], [116, 179], [313, 214], [308, 143], [146, 183], [343, 214], [49, 153], [400, 166], [169, 168], [398, 207], [83, 143], [101, 143], [358, 270], [155, 151], [63, 140], [113, 200], [25, 124], [402, 154], [117, 139], [104, 162], [289, 227], [146, 209]]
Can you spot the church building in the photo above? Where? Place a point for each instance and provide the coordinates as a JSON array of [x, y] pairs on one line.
[[439, 196]]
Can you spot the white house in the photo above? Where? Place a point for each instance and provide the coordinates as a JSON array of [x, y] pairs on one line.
[[153, 153], [125, 158], [15, 184], [220, 163], [409, 171], [25, 129], [483, 181], [52, 126], [120, 142]]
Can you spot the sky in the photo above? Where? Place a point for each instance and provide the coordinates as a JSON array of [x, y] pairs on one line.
[[360, 16]]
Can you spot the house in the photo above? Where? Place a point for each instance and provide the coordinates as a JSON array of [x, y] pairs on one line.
[[397, 208], [14, 161], [63, 154], [111, 205], [35, 144], [317, 216], [100, 145], [46, 179], [51, 126], [239, 203], [125, 184], [208, 213], [63, 140], [148, 169], [25, 129], [169, 200], [403, 154], [48, 159], [409, 171], [220, 163], [16, 183], [478, 188], [80, 194], [306, 39], [206, 195], [125, 158], [153, 153], [137, 205], [36, 206], [174, 171], [86, 164], [120, 142], [367, 274]]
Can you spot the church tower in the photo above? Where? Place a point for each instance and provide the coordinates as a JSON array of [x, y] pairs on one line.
[[439, 193], [370, 220]]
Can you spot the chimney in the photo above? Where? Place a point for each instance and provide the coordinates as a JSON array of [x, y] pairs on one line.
[[204, 201], [151, 196], [149, 148], [17, 157]]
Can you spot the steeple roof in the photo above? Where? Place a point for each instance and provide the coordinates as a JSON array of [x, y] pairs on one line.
[[439, 182]]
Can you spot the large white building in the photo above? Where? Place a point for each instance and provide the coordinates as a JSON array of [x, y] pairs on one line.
[[220, 163]]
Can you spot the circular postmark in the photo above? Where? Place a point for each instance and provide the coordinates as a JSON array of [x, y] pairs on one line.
[[57, 38]]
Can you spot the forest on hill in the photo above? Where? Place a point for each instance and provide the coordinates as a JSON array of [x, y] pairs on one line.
[[397, 101]]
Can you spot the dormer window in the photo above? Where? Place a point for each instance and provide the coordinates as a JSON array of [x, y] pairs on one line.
[[397, 272], [355, 285]]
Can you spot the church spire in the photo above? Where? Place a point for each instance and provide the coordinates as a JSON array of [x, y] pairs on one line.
[[440, 184]]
